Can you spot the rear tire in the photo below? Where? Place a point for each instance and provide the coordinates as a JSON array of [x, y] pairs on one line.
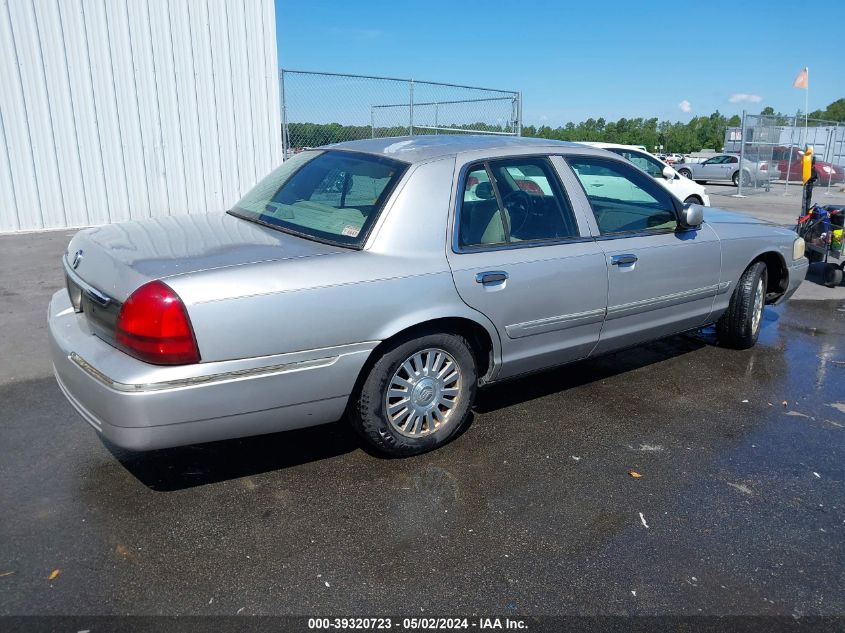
[[739, 327], [407, 378]]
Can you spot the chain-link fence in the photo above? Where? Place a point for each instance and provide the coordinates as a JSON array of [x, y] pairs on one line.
[[322, 108], [771, 149]]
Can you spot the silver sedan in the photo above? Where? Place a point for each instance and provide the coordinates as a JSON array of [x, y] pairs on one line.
[[728, 167], [385, 281]]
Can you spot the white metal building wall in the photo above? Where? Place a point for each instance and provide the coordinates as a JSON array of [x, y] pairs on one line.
[[121, 109]]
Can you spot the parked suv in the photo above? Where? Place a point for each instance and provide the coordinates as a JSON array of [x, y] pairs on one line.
[[681, 187]]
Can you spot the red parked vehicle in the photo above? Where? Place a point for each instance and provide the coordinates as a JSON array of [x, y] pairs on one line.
[[826, 172]]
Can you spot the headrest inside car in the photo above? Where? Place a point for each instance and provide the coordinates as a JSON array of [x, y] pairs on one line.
[[484, 190]]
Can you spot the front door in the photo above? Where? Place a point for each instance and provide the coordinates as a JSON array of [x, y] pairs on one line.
[[520, 256], [662, 279], [712, 169]]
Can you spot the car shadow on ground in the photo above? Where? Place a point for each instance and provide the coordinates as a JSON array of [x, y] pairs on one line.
[[191, 466], [574, 375]]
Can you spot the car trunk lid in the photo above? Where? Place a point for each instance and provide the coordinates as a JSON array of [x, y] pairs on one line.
[[106, 264]]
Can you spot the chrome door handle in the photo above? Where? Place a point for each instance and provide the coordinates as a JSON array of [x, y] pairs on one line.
[[622, 260], [491, 277]]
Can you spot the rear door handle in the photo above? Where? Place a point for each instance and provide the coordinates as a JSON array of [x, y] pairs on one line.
[[622, 260], [491, 277]]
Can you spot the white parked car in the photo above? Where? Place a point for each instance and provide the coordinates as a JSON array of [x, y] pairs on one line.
[[682, 188]]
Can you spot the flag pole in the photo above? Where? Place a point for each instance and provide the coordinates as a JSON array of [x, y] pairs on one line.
[[806, 105]]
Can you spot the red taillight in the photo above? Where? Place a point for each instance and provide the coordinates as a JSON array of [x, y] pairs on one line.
[[154, 327]]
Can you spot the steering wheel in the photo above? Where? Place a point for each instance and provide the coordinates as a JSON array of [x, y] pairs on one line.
[[518, 205]]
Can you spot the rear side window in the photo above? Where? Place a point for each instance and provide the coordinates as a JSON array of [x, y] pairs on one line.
[[329, 196], [623, 199], [513, 200]]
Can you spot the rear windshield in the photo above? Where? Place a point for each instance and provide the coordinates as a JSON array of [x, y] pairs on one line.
[[327, 196]]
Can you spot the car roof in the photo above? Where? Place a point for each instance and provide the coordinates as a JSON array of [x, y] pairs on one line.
[[603, 145], [416, 149]]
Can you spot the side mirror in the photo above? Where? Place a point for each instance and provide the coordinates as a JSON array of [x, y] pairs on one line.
[[692, 216], [669, 173]]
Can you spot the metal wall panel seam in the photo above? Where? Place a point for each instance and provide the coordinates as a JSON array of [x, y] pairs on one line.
[[271, 80], [234, 130], [159, 147], [216, 108], [84, 109], [108, 206], [49, 108], [185, 77], [73, 114], [8, 172], [241, 96], [136, 102], [181, 142], [118, 131], [25, 115]]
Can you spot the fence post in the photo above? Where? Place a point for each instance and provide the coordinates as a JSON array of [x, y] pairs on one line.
[[372, 122], [789, 162], [519, 113], [411, 107], [831, 140], [285, 139], [738, 193]]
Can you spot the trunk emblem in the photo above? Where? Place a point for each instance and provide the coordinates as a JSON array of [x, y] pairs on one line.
[[77, 257]]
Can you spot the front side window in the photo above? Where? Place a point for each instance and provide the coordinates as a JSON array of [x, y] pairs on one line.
[[649, 165], [327, 196], [513, 200], [623, 200]]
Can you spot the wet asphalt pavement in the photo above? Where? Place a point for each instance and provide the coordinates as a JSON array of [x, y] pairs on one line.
[[740, 508]]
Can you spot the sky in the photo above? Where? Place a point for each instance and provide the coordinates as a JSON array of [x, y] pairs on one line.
[[582, 59]]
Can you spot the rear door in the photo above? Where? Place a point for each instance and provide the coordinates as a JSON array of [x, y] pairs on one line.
[[662, 279], [521, 255]]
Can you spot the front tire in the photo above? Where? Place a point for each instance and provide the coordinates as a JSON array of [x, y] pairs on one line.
[[693, 200], [417, 395], [739, 327], [686, 173]]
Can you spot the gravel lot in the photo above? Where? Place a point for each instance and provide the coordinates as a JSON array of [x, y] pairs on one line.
[[740, 508]]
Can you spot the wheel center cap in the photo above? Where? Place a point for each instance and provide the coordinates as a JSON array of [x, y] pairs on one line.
[[424, 392]]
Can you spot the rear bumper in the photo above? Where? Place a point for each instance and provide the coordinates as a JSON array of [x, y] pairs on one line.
[[143, 407]]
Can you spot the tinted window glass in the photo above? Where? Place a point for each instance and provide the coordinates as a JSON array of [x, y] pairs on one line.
[[649, 165], [533, 207], [622, 198], [330, 196]]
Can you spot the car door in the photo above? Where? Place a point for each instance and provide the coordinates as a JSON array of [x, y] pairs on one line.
[[521, 255], [731, 164], [711, 169], [662, 279]]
